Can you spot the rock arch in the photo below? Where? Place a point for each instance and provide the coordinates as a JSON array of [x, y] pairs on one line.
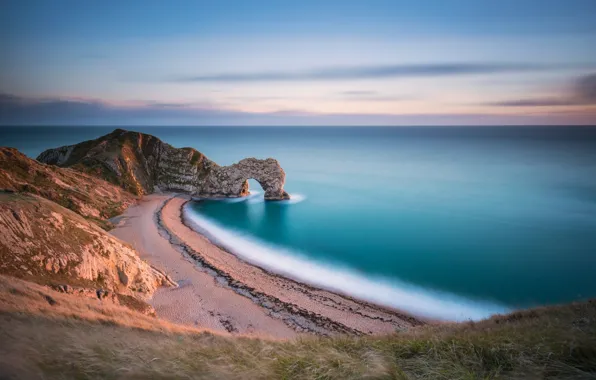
[[143, 164], [232, 180]]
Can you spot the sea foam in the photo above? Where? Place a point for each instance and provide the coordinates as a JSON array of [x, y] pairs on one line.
[[383, 291], [294, 198], [259, 197]]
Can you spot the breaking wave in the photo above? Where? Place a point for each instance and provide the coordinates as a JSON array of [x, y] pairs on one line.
[[294, 198], [383, 291], [259, 197]]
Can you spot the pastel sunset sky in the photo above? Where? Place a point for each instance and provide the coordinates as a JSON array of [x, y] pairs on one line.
[[298, 62]]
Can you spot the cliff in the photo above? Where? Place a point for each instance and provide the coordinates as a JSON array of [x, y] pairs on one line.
[[142, 164], [51, 222], [84, 194], [43, 242]]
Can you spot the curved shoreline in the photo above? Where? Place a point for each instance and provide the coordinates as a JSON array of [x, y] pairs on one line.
[[302, 307], [308, 322], [414, 321], [199, 300]]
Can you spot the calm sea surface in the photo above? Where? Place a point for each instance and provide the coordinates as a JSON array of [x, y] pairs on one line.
[[450, 222]]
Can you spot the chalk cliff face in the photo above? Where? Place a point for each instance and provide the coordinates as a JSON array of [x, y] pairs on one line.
[[51, 222], [232, 181], [142, 164], [46, 243], [137, 162]]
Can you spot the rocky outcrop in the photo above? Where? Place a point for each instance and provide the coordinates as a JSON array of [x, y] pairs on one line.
[[137, 162], [84, 194], [44, 242], [232, 181], [50, 219], [142, 164]]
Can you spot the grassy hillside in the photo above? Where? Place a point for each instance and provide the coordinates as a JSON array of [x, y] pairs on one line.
[[50, 335]]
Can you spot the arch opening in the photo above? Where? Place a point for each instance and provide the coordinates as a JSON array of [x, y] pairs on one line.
[[253, 185], [233, 180]]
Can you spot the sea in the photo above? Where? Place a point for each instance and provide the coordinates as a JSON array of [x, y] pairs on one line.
[[450, 223]]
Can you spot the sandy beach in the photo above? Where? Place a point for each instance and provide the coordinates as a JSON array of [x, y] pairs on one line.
[[219, 291]]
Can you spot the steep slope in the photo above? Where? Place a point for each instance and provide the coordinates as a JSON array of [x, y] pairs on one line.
[[46, 243], [84, 194], [48, 335], [137, 162], [142, 164]]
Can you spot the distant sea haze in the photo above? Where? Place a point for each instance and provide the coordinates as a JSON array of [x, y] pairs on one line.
[[448, 222]]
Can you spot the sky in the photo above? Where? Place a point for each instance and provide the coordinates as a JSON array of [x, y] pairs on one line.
[[226, 62]]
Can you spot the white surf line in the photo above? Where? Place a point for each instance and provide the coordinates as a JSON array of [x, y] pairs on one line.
[[258, 197], [382, 291]]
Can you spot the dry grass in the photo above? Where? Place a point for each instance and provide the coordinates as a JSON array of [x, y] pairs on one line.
[[82, 339], [18, 297]]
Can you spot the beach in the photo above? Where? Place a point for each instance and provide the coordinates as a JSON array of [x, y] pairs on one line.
[[218, 291]]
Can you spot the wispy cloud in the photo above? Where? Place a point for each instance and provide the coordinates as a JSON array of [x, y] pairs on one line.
[[372, 96], [358, 93], [586, 88], [368, 96], [154, 104], [535, 102], [582, 93], [15, 110], [19, 110], [369, 72]]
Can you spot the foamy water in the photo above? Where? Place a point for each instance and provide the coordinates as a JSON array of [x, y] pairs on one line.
[[387, 292], [258, 197]]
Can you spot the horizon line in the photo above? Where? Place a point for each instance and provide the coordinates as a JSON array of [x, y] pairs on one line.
[[292, 126]]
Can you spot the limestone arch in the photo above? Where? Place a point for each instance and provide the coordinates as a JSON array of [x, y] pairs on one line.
[[232, 180]]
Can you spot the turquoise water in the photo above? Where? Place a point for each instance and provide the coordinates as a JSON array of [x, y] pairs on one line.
[[449, 222]]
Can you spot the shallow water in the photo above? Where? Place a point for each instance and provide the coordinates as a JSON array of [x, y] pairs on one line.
[[449, 222]]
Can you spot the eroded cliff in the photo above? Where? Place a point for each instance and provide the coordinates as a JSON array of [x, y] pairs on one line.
[[232, 181], [84, 194], [50, 219], [142, 164], [46, 243]]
